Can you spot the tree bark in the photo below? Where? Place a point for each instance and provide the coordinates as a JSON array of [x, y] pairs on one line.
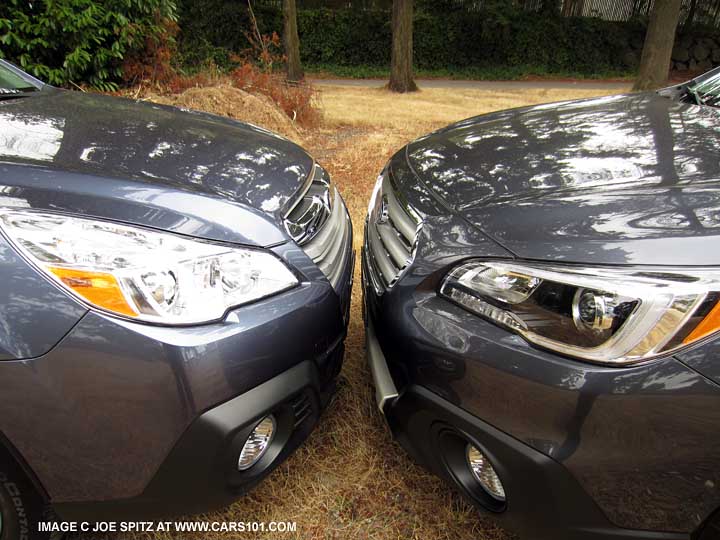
[[291, 41], [659, 40], [401, 63], [572, 8]]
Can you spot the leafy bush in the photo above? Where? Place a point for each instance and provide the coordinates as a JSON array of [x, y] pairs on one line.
[[212, 30], [253, 72], [154, 60], [255, 75], [297, 100], [74, 41]]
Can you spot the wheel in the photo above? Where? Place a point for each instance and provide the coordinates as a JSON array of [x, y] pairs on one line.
[[21, 507]]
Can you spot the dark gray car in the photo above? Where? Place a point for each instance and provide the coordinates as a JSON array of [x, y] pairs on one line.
[[542, 299], [174, 295]]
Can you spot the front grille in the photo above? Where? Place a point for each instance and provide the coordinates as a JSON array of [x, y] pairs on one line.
[[390, 235], [320, 224], [329, 248]]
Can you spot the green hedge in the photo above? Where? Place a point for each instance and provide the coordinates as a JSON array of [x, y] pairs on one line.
[[492, 38], [63, 41]]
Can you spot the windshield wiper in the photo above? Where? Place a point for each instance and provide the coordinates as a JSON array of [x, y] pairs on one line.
[[693, 93]]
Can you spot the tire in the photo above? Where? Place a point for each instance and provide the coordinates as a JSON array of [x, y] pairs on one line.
[[21, 507]]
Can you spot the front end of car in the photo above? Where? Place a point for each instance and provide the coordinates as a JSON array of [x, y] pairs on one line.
[[560, 398], [192, 367]]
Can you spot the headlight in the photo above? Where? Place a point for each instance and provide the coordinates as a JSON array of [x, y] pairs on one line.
[[609, 316], [146, 275]]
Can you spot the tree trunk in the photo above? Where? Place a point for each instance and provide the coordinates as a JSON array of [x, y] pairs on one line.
[[572, 8], [659, 40], [292, 41], [579, 8], [401, 63]]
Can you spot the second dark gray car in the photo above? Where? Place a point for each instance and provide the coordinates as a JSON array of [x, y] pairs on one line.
[[542, 296]]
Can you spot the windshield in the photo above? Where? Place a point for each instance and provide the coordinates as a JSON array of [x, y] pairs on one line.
[[706, 92], [12, 83]]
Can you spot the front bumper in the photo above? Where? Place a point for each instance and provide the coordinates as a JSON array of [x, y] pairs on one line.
[[584, 451], [545, 501], [200, 473]]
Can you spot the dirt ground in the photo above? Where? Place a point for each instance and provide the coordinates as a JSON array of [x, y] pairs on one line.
[[351, 480]]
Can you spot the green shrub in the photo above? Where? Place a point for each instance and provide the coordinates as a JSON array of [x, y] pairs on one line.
[[344, 37], [498, 37], [210, 26], [76, 41]]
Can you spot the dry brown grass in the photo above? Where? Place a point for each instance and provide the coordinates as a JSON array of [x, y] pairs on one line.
[[351, 480], [227, 100], [431, 108]]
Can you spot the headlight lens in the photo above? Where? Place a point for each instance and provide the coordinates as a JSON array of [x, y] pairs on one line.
[[605, 315], [146, 275]]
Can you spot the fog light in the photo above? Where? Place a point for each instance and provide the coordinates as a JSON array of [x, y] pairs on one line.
[[484, 473], [257, 443]]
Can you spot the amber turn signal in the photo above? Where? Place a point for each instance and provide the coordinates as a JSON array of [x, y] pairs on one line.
[[97, 288], [709, 325]]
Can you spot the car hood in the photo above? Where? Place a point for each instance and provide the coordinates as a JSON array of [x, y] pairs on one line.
[[615, 180], [178, 161]]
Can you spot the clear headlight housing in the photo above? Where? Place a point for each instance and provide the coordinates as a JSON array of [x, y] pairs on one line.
[[604, 315], [142, 274]]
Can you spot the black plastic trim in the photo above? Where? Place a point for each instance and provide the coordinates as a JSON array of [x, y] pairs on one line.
[[9, 450], [544, 501], [200, 473]]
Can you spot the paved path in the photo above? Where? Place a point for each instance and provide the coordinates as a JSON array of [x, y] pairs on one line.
[[483, 85]]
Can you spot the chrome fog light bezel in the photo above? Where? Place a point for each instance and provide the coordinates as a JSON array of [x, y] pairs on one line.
[[484, 473], [451, 448], [263, 435]]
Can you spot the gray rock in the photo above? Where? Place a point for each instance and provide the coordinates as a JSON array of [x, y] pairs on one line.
[[685, 42], [680, 54], [692, 65], [709, 43], [705, 65], [700, 52], [631, 59], [716, 55], [680, 66]]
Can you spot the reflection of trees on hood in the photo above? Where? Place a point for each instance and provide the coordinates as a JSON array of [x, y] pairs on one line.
[[632, 165], [140, 141]]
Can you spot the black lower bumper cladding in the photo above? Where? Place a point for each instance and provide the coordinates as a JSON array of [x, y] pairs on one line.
[[544, 501], [200, 473]]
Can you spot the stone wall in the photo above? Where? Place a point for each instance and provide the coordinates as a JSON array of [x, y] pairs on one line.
[[696, 53]]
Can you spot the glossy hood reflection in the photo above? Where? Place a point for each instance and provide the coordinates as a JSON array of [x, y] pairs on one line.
[[610, 180], [153, 144]]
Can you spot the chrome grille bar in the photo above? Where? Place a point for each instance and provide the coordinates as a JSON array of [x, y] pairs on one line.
[[329, 248], [390, 236], [319, 222]]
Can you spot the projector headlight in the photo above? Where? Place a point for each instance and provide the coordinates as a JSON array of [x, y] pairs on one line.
[[611, 316], [142, 274]]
